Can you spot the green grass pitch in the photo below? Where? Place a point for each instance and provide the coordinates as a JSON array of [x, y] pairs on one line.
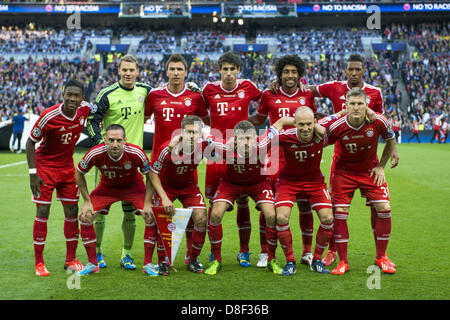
[[419, 245]]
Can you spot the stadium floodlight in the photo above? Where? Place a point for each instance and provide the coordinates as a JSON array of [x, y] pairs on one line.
[[240, 21], [215, 19]]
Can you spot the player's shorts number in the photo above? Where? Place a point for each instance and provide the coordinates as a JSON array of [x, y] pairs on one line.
[[268, 193], [201, 198], [385, 192]]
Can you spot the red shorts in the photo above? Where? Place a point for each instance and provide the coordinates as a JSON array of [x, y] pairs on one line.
[[345, 184], [63, 180], [214, 172], [229, 192], [190, 197], [363, 195], [289, 192], [103, 197]]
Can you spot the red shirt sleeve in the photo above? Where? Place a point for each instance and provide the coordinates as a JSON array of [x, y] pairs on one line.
[[325, 89], [148, 105], [263, 109]]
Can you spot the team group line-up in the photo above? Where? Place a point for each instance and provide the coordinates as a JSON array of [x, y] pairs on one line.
[[278, 168]]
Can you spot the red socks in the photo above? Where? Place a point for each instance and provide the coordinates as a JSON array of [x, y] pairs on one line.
[[285, 237], [262, 233], [306, 220], [71, 233], [382, 232], [323, 237], [39, 236], [341, 234], [150, 235], [89, 241], [198, 239], [271, 241], [215, 233], [244, 225]]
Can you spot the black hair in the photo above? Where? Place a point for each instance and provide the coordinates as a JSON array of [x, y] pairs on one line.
[[116, 126], [293, 60], [229, 57], [72, 82]]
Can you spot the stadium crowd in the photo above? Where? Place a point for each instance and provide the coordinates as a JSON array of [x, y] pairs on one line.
[[425, 75]]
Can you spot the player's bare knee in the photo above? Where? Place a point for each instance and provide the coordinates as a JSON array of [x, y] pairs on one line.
[[282, 215], [199, 217], [326, 216], [382, 206], [43, 211], [71, 210], [268, 211]]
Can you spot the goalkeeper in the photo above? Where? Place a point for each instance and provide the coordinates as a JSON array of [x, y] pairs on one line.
[[121, 103]]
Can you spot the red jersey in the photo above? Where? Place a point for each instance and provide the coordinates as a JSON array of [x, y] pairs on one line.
[[227, 108], [59, 134], [395, 125], [358, 146], [302, 158], [415, 127], [177, 172], [437, 123], [336, 91], [281, 105], [169, 110], [246, 171], [117, 173]]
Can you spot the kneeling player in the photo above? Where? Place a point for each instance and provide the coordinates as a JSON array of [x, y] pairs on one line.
[[244, 156], [173, 176], [301, 178], [118, 162]]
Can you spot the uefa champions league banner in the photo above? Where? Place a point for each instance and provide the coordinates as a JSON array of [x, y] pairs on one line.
[[172, 229]]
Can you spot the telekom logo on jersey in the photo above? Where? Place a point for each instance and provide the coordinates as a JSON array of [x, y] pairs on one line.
[[168, 113], [179, 154]]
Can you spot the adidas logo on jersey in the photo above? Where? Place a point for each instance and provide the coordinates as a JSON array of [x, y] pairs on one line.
[[342, 97], [294, 146], [104, 167], [278, 101], [163, 102], [217, 96], [345, 138], [62, 129]]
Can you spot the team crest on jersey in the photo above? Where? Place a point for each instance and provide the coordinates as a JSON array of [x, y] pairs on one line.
[[37, 132], [83, 164], [369, 133], [157, 165], [127, 165], [241, 94], [93, 107], [302, 100], [188, 102]]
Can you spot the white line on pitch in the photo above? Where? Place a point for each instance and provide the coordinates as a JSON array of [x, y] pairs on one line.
[[12, 164]]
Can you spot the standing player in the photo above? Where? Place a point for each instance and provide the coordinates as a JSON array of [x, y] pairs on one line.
[[444, 130], [244, 174], [119, 163], [51, 167], [336, 91], [436, 128], [169, 105], [173, 177], [121, 103], [415, 131], [396, 127], [301, 177], [288, 98], [228, 101], [357, 167]]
